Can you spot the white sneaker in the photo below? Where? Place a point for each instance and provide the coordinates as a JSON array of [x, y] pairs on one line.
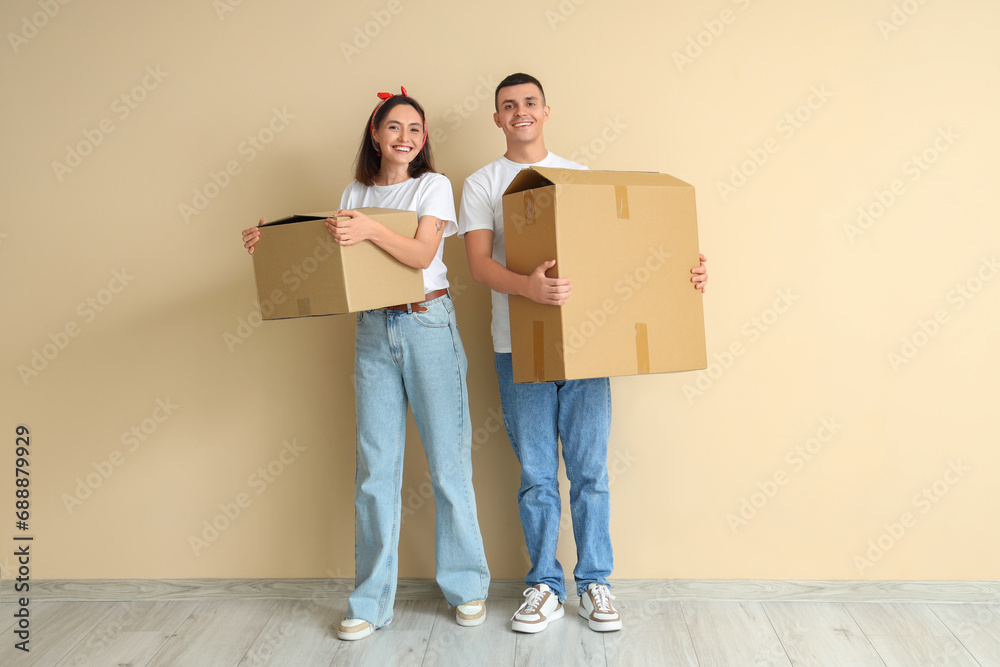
[[471, 613], [596, 607], [540, 606], [354, 628]]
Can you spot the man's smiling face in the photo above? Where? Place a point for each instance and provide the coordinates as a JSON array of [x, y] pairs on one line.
[[521, 111]]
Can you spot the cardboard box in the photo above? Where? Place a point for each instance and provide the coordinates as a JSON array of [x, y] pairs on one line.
[[628, 241], [301, 271]]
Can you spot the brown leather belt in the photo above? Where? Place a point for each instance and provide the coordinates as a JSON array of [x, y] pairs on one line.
[[417, 306]]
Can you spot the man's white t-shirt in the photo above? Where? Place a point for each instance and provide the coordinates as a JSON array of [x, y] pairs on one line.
[[428, 194], [482, 208]]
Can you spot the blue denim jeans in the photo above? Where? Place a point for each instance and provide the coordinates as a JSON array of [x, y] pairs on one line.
[[537, 416], [402, 356]]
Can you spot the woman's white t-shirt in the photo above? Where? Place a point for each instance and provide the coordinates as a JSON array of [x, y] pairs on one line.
[[428, 194]]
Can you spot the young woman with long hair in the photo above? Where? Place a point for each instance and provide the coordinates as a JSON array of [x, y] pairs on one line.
[[408, 354]]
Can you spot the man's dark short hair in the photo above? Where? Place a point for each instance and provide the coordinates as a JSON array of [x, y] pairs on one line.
[[516, 80]]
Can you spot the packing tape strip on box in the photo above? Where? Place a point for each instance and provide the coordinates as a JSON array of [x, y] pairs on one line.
[[538, 340], [621, 201], [642, 347], [529, 208]]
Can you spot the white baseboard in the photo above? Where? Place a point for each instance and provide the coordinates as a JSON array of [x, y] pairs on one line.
[[733, 590]]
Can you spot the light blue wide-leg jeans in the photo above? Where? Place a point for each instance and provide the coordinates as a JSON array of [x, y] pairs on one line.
[[414, 357]]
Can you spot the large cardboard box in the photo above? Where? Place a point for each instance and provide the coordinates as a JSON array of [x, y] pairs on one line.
[[628, 241], [301, 271]]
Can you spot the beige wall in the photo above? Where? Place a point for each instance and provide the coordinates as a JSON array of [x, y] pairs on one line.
[[814, 304]]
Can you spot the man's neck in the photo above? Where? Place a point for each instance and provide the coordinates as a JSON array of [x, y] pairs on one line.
[[526, 153]]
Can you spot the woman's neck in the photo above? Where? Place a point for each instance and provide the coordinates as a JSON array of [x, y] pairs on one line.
[[390, 174]]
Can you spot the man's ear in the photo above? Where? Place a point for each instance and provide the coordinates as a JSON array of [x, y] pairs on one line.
[[496, 118], [545, 113]]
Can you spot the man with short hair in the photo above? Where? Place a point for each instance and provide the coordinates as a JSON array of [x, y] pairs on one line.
[[537, 415]]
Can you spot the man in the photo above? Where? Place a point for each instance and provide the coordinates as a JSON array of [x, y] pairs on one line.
[[537, 415]]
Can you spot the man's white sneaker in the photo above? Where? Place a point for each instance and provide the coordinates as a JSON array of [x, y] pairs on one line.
[[596, 607], [354, 628], [540, 607], [471, 613]]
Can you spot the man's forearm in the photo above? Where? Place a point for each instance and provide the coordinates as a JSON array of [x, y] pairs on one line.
[[497, 277]]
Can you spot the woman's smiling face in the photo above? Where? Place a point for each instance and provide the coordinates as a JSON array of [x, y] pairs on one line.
[[401, 134]]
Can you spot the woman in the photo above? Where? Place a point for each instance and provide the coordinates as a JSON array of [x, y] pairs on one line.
[[410, 352]]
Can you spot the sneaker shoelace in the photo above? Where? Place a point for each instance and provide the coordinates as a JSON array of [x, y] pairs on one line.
[[602, 599], [532, 600]]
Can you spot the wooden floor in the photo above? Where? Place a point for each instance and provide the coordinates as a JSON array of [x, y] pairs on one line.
[[301, 633]]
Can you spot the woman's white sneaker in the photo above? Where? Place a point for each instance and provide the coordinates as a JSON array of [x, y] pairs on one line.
[[596, 607], [471, 614], [354, 628], [540, 607]]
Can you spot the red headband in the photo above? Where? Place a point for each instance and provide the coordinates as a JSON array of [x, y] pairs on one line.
[[382, 100]]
